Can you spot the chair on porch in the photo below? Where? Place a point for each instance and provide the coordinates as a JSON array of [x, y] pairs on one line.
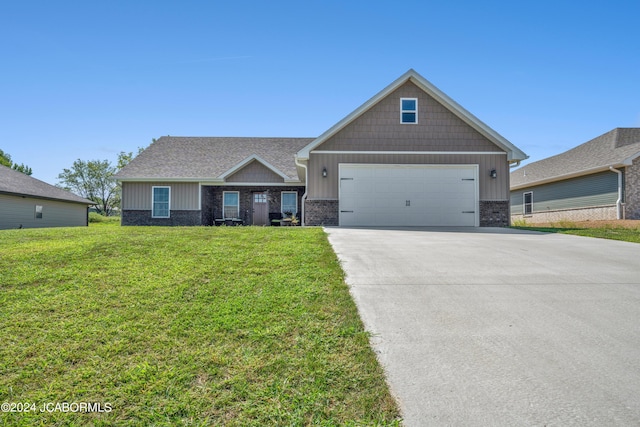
[[275, 218]]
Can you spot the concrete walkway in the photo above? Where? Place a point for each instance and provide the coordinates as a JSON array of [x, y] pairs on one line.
[[499, 327]]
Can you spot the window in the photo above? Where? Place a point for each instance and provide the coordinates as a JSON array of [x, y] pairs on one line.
[[289, 203], [231, 204], [527, 208], [38, 212], [161, 202], [408, 110], [259, 198]]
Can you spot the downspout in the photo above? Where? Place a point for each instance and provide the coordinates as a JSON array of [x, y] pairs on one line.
[[619, 201], [515, 165], [304, 196]]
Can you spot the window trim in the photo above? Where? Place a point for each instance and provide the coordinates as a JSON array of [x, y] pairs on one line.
[[282, 201], [414, 111], [224, 193], [153, 201], [524, 203]]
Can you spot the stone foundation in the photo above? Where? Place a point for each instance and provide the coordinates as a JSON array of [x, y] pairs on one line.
[[131, 217], [583, 214], [494, 213], [632, 190], [321, 212]]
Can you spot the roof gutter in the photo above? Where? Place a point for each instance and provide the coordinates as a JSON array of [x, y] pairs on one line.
[[306, 181], [619, 201]]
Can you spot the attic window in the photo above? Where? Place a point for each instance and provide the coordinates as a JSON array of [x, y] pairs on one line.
[[408, 110]]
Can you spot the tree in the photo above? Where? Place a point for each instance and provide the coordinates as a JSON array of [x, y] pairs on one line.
[[5, 159], [94, 180]]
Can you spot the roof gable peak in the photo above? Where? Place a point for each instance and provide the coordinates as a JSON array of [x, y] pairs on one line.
[[513, 153]]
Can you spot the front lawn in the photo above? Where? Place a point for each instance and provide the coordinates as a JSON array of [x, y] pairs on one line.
[[183, 326], [628, 231]]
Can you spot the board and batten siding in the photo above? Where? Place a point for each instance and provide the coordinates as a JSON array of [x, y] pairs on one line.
[[489, 189], [185, 196], [17, 211], [600, 189], [255, 172]]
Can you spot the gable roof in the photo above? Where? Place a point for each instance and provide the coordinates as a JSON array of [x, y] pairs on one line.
[[250, 159], [616, 148], [174, 158], [513, 153], [19, 184]]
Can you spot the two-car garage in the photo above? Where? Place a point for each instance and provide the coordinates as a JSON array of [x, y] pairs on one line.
[[408, 195]]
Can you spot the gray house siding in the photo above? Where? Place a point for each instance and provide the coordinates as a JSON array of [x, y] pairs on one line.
[[185, 196], [255, 172], [379, 129], [327, 188], [20, 212], [195, 204], [438, 129], [597, 191]]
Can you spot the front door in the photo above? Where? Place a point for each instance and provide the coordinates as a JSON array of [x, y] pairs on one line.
[[260, 211]]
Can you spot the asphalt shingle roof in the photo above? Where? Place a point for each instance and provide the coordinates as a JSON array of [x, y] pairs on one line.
[[18, 183], [174, 157], [610, 149]]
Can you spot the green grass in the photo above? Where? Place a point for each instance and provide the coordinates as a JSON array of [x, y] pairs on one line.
[[189, 326], [96, 219], [609, 232]]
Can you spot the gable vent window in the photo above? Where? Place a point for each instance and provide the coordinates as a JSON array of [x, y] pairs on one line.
[[408, 110]]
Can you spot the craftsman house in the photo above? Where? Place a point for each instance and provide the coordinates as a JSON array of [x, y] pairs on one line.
[[409, 156]]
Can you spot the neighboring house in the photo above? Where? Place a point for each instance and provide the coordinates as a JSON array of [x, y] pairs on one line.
[[597, 180], [409, 156], [26, 202]]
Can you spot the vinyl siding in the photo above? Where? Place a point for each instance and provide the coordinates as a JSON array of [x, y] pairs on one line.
[[255, 172], [16, 211], [490, 189], [438, 129], [185, 196], [599, 189]]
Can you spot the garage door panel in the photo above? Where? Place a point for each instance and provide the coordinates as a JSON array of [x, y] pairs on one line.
[[412, 195]]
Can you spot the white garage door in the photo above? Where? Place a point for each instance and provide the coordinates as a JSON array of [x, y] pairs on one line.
[[408, 195]]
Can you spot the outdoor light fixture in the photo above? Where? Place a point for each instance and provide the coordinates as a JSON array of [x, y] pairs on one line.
[[324, 172], [493, 173]]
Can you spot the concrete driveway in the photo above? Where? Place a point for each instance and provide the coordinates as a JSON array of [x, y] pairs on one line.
[[499, 327]]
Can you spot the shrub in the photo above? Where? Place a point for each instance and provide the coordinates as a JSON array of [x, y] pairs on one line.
[[96, 217]]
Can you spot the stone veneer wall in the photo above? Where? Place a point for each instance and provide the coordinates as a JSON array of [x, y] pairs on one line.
[[632, 190], [325, 212], [131, 217], [581, 214], [494, 213], [321, 212], [212, 200]]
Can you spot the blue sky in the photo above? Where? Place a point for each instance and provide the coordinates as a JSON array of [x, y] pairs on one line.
[[90, 79]]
